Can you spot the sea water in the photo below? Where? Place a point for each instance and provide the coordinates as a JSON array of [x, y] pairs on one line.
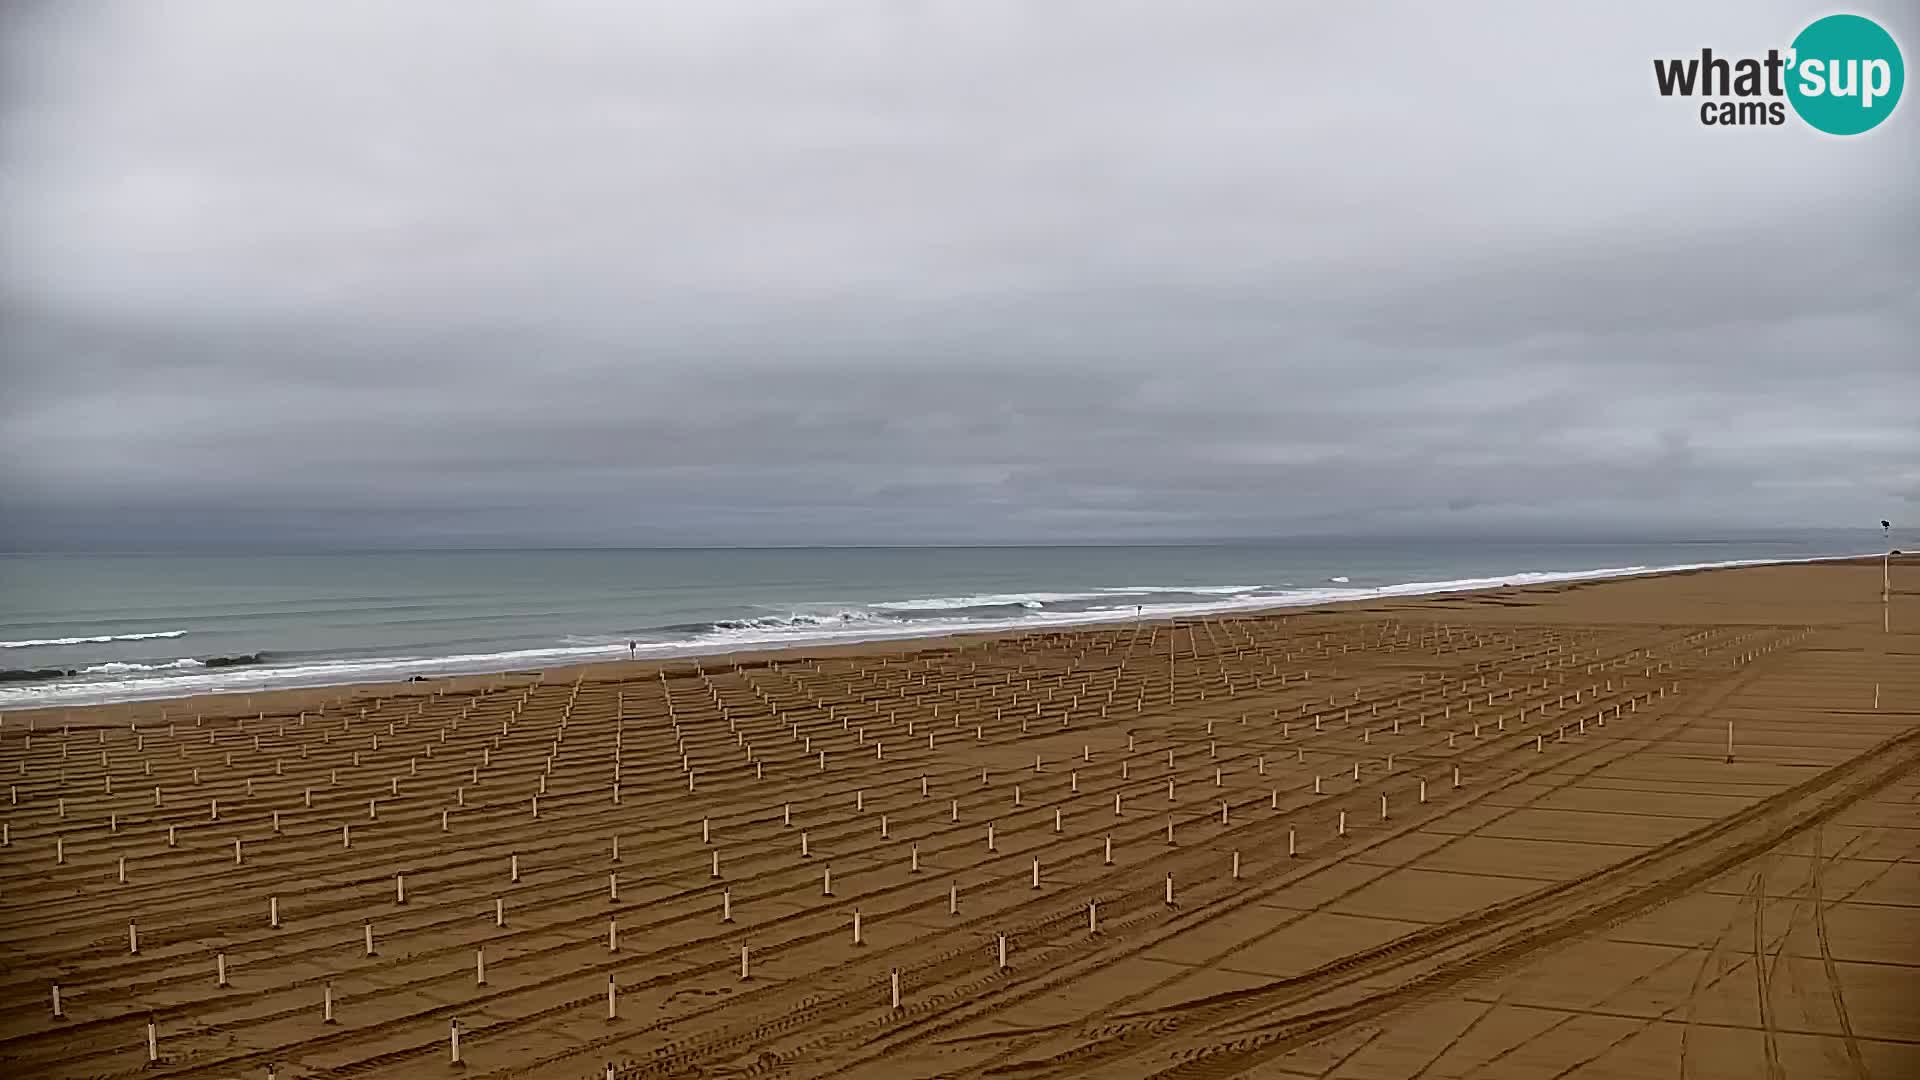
[[143, 626]]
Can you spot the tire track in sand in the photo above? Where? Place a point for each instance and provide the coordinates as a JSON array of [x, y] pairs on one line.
[[1152, 1020], [1543, 923], [1720, 940], [1712, 955], [1758, 891], [1147, 1024], [1854, 1056]]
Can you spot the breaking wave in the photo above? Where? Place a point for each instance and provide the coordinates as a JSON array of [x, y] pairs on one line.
[[819, 624], [119, 668], [95, 639], [801, 620], [1035, 601]]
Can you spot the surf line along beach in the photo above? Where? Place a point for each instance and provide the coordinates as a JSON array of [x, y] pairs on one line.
[[482, 612], [652, 868]]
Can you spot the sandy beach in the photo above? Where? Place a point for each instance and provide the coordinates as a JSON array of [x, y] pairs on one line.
[[1580, 829]]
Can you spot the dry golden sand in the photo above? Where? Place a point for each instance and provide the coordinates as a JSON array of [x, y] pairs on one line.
[[1603, 895]]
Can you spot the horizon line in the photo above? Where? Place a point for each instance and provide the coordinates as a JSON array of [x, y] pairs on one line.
[[1572, 537]]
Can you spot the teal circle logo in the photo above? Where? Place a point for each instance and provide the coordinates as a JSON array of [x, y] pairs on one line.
[[1845, 74]]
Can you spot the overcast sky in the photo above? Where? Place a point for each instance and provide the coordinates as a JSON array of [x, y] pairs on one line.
[[892, 271]]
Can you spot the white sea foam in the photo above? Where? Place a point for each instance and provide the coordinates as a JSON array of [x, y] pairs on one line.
[[95, 639], [772, 632], [117, 668], [1031, 600], [1200, 590], [802, 620], [1037, 600], [1342, 579]]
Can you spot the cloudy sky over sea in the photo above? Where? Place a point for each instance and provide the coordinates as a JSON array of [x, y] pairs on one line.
[[666, 273]]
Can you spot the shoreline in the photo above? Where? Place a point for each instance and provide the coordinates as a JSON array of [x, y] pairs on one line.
[[237, 701]]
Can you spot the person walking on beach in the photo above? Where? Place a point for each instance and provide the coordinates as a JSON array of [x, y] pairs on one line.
[[632, 646]]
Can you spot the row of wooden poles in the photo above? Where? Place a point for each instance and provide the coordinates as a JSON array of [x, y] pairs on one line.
[[826, 881], [894, 980], [726, 900], [454, 1031], [612, 940]]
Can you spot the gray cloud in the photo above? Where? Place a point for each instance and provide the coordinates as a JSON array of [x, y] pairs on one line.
[[866, 271]]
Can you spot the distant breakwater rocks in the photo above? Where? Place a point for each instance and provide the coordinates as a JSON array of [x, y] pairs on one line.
[[18, 675]]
